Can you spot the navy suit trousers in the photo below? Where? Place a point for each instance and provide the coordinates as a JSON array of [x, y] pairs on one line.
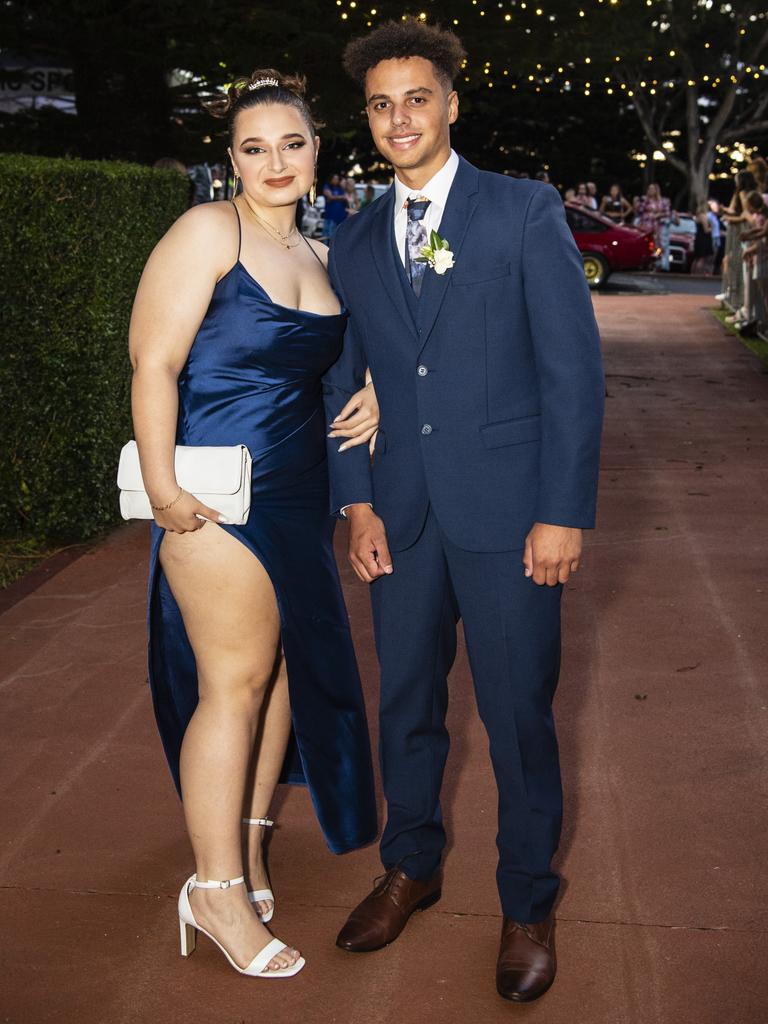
[[512, 632]]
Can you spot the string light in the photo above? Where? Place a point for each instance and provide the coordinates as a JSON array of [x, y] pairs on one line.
[[733, 75]]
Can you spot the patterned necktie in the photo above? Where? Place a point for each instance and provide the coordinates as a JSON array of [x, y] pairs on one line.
[[415, 240]]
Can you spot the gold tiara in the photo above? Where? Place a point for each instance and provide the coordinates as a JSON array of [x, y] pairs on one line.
[[262, 82]]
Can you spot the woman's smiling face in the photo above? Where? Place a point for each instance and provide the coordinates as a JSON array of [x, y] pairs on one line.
[[274, 153]]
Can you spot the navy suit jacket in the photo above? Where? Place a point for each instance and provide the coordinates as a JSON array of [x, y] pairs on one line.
[[490, 385]]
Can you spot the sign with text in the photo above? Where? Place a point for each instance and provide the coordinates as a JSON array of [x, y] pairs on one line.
[[16, 83]]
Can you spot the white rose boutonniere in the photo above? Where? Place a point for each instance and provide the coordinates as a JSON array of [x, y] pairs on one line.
[[437, 254]]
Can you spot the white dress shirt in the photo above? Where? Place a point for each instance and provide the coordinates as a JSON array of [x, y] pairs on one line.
[[436, 191]]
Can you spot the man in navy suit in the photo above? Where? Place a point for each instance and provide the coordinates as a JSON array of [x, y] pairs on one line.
[[486, 362]]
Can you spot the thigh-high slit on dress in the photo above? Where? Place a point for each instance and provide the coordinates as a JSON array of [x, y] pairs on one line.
[[253, 377]]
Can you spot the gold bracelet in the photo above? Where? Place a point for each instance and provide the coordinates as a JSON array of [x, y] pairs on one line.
[[164, 508]]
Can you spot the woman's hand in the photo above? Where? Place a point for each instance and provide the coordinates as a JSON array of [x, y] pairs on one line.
[[358, 421], [187, 514]]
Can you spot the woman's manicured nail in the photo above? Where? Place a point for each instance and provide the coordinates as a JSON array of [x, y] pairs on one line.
[[342, 448]]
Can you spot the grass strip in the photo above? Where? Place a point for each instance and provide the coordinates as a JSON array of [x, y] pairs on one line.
[[756, 345]]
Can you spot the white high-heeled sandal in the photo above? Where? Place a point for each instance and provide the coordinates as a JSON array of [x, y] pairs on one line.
[[255, 895], [188, 929]]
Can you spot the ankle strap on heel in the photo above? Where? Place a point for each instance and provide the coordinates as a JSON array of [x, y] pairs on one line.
[[213, 884], [266, 822]]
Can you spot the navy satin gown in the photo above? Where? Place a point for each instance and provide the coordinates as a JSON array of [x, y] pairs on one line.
[[253, 377]]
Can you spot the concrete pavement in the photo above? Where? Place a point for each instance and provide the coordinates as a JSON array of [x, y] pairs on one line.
[[663, 720]]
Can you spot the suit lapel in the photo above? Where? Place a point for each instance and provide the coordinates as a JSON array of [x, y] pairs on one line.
[[385, 257], [462, 200]]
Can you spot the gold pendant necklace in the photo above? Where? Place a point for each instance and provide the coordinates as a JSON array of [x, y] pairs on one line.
[[279, 236]]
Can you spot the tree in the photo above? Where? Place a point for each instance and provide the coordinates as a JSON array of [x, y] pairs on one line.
[[690, 69], [718, 88], [571, 84]]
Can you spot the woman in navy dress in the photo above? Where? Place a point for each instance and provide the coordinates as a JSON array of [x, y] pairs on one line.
[[233, 327]]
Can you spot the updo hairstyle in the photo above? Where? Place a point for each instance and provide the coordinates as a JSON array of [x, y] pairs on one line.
[[259, 89]]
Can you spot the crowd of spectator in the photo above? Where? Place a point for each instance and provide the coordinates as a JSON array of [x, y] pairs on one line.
[[342, 198], [745, 267], [653, 212], [731, 239]]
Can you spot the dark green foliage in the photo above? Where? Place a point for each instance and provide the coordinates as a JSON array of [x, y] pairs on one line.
[[75, 237]]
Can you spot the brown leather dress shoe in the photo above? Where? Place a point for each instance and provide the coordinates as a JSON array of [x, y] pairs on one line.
[[527, 963], [383, 914]]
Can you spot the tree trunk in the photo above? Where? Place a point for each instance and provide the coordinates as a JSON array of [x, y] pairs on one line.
[[698, 180]]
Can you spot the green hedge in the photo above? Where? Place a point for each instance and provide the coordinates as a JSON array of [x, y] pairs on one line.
[[75, 235]]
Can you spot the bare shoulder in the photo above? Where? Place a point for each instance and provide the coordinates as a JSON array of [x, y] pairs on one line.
[[205, 232], [319, 248]]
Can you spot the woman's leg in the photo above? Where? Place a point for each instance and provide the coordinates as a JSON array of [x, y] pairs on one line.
[[746, 306], [230, 614], [267, 763]]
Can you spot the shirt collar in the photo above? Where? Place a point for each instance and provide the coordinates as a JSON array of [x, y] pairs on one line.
[[436, 189]]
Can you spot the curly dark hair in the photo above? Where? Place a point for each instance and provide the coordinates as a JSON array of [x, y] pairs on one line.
[[407, 38]]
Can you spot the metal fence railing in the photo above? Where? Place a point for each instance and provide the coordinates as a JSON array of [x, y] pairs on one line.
[[745, 285]]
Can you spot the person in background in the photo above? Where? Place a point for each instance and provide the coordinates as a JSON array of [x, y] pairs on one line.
[[542, 176], [744, 183], [735, 215], [615, 206], [593, 196], [335, 205], [653, 212], [353, 202], [569, 195], [756, 253], [752, 238], [758, 168], [703, 246], [219, 181], [718, 235], [368, 197], [582, 196], [202, 180]]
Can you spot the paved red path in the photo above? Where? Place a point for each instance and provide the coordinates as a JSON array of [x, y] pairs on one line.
[[663, 718]]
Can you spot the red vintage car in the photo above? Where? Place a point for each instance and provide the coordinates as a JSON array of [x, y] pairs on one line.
[[605, 246]]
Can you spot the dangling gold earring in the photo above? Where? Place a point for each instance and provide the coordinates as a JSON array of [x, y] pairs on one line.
[[234, 188], [313, 190]]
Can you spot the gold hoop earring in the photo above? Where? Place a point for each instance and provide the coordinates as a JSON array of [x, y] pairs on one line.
[[313, 190]]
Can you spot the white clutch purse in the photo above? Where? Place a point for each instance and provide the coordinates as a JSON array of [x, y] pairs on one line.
[[219, 477]]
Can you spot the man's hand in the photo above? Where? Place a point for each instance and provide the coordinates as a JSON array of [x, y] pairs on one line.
[[552, 553], [368, 549]]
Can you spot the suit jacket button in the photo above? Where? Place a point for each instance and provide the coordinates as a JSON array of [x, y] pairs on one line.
[[426, 429], [422, 371]]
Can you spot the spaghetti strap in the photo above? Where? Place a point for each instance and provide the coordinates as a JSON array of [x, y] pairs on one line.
[[239, 228], [312, 250]]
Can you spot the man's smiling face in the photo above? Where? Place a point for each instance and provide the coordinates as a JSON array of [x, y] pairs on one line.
[[410, 111]]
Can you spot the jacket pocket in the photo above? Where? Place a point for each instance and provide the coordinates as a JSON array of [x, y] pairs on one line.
[[508, 432], [478, 275]]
